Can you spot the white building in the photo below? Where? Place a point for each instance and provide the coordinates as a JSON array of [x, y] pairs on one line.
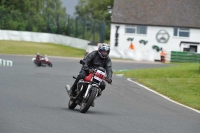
[[171, 25]]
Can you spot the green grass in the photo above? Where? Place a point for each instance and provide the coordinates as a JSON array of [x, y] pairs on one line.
[[180, 82], [31, 48]]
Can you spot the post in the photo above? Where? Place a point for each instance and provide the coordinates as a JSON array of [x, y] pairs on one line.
[[76, 27], [93, 31], [29, 21], [83, 28], [58, 25], [102, 31], [48, 24], [68, 25]]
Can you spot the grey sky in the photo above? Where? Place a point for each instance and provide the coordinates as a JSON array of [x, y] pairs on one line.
[[70, 5]]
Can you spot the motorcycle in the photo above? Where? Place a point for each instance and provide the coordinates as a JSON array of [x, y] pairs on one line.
[[44, 61], [88, 89]]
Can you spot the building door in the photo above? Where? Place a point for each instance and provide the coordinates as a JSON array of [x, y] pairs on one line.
[[189, 46], [193, 48]]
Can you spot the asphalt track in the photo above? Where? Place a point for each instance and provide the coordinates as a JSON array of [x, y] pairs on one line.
[[34, 100]]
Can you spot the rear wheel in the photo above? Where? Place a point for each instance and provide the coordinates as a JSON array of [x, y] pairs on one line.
[[85, 105], [71, 104]]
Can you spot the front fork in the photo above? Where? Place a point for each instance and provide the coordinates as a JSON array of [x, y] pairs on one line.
[[88, 89]]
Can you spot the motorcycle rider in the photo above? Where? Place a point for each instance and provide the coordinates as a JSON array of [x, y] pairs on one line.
[[38, 58], [95, 59]]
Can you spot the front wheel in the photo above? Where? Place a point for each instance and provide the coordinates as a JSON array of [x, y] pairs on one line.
[[50, 64], [85, 105], [38, 64], [71, 104]]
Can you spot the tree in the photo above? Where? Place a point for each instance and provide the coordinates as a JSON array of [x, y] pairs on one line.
[[95, 9], [32, 15]]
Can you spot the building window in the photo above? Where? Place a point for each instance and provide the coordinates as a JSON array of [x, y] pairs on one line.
[[182, 32], [141, 30], [136, 29], [130, 29]]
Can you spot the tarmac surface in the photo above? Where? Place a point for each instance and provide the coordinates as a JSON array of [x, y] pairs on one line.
[[34, 100]]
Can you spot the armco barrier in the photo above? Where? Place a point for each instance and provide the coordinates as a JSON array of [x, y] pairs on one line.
[[139, 55], [6, 63], [43, 37], [184, 57]]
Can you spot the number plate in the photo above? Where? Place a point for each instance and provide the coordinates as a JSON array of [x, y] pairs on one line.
[[99, 75]]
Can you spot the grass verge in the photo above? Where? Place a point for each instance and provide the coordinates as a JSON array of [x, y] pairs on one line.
[[180, 82], [31, 48]]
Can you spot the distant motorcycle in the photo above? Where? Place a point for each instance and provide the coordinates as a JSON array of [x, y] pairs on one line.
[[44, 61]]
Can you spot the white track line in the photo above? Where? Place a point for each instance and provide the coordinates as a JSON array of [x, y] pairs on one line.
[[163, 96]]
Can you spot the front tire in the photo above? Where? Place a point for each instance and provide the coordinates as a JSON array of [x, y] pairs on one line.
[[37, 63], [71, 104], [50, 64], [85, 105]]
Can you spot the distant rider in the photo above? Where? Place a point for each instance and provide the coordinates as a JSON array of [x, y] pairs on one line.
[[38, 58]]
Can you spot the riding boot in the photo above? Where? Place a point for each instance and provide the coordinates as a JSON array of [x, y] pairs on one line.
[[81, 75], [74, 86]]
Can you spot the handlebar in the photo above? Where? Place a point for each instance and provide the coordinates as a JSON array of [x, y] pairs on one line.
[[92, 70], [106, 79], [82, 62]]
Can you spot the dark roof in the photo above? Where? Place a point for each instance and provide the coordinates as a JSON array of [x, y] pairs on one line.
[[180, 13]]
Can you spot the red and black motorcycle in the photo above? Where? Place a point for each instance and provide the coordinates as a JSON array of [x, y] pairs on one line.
[[88, 89], [43, 61]]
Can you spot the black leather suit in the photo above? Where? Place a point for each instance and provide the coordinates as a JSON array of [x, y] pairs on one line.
[[93, 60]]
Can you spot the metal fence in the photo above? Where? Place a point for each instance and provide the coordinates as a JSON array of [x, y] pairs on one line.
[[184, 57], [88, 29]]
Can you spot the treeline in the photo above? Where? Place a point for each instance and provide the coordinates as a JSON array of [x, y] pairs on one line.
[[91, 20], [96, 9], [32, 15]]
